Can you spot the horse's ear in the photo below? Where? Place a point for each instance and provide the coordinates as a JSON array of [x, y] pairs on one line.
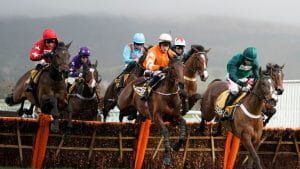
[[207, 50], [96, 63], [269, 66], [282, 66], [68, 45]]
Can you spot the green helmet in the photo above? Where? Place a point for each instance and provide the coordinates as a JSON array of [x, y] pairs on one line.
[[250, 53]]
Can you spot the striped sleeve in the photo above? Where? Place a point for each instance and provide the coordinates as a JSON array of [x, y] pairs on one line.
[[149, 62]]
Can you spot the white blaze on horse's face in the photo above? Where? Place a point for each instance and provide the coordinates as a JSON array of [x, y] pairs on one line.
[[92, 82], [205, 73], [272, 90]]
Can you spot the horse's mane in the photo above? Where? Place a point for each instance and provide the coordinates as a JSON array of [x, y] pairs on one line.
[[199, 48]]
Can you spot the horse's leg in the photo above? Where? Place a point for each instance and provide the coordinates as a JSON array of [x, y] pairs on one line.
[[193, 99], [201, 128], [219, 130], [246, 140], [20, 110], [70, 114], [166, 134], [108, 105], [54, 112], [182, 135]]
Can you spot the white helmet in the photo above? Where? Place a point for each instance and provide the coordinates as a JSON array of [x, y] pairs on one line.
[[179, 41], [165, 38]]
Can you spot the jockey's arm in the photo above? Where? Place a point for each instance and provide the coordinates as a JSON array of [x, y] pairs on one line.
[[36, 52], [149, 62], [127, 55]]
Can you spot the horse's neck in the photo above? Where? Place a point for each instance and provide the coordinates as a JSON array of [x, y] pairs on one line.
[[55, 74], [168, 85], [254, 104], [189, 69], [84, 90]]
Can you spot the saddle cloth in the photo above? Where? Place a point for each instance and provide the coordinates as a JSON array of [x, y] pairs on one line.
[[220, 102]]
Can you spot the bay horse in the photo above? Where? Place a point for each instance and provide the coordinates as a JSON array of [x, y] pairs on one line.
[[195, 63], [112, 92], [247, 122], [82, 97], [51, 90], [164, 101], [275, 71]]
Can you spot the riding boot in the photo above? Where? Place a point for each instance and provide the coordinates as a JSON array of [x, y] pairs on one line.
[[31, 86], [127, 70], [152, 82]]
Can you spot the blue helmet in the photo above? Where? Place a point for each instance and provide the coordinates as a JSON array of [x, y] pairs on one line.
[[250, 53], [84, 51], [138, 38]]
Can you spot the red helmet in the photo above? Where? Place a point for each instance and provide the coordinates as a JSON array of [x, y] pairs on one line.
[[49, 34]]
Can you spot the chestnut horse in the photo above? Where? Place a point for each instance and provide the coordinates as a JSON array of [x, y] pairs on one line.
[[83, 98], [51, 90], [164, 101], [247, 123], [196, 63]]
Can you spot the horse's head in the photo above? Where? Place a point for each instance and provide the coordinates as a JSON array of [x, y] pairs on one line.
[[266, 89], [275, 71], [175, 71], [197, 61], [90, 75], [61, 59]]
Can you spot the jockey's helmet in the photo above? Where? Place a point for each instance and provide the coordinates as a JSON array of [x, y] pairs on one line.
[[250, 53], [49, 34], [165, 38], [179, 41], [139, 38], [84, 51]]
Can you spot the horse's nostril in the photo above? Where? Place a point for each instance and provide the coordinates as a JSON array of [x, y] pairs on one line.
[[279, 91]]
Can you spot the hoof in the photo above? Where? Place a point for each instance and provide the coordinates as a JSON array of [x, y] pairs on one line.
[[20, 112], [167, 161], [28, 112], [54, 126]]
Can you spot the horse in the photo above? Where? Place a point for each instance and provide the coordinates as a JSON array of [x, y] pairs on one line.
[[247, 122], [112, 92], [195, 63], [275, 71], [82, 96], [51, 90], [164, 101]]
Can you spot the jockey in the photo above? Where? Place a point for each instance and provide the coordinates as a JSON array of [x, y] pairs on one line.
[[179, 46], [131, 54], [77, 62], [157, 59], [43, 51], [241, 68]]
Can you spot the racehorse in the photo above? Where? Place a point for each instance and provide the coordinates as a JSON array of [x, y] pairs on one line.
[[196, 63], [51, 91], [275, 71], [164, 101], [112, 92], [82, 97], [247, 122]]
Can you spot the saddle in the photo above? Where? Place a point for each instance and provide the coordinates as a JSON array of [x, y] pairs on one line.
[[35, 74], [220, 102], [141, 87]]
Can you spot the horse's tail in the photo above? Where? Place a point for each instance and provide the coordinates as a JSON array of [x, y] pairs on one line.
[[9, 100]]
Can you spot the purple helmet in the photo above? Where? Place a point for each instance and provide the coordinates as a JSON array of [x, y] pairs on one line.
[[84, 51]]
